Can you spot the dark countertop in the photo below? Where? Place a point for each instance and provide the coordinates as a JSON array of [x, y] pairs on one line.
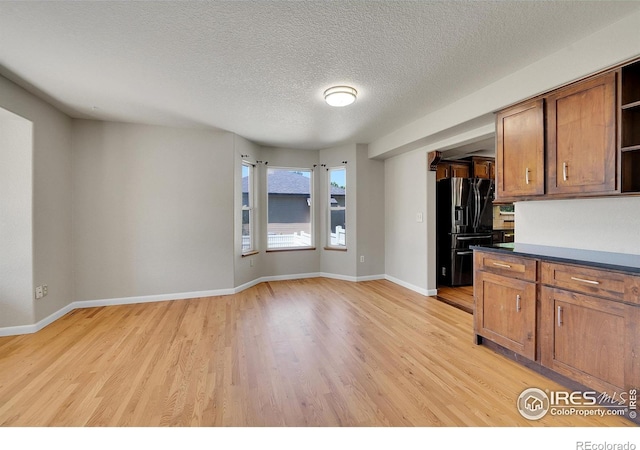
[[604, 260]]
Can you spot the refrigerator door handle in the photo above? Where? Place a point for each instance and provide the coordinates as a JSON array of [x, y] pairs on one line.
[[476, 195], [470, 238]]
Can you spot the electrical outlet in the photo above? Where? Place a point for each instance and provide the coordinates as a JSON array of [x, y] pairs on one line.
[[251, 263], [419, 217], [362, 258], [45, 290], [39, 292]]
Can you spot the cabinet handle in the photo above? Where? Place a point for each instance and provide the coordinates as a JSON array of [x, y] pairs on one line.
[[564, 171], [559, 316], [518, 303], [585, 281], [526, 175], [502, 265]]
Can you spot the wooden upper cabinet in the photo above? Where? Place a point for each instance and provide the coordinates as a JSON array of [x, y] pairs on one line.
[[581, 137], [483, 168], [520, 150], [452, 169]]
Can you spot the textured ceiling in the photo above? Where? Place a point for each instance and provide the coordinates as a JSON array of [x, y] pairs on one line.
[[258, 68]]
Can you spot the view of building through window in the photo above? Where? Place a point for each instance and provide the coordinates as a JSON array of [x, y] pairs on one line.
[[289, 208], [247, 207], [337, 233]]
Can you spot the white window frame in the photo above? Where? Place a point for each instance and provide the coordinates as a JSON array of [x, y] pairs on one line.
[[250, 208], [310, 202], [331, 208]]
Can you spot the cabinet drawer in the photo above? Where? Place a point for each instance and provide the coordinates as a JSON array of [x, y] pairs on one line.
[[607, 284], [511, 266]]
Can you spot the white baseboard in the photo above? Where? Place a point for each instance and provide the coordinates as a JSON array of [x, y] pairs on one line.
[[151, 298], [419, 290], [33, 328], [371, 277], [353, 279], [295, 276]]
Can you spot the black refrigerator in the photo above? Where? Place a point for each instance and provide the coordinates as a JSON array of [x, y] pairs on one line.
[[464, 218]]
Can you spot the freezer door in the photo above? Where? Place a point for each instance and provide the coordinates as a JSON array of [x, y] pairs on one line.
[[461, 267]]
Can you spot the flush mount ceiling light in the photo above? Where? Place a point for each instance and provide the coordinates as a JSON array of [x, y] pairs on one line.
[[340, 95]]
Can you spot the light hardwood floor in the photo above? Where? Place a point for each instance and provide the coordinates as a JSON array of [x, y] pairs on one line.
[[314, 352], [461, 297]]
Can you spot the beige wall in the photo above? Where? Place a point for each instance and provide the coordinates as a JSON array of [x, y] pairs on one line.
[[16, 225], [153, 210], [370, 214], [407, 244], [51, 197], [604, 224]]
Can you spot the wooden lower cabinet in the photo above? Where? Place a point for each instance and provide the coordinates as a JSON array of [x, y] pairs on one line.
[[584, 338], [506, 312], [580, 322]]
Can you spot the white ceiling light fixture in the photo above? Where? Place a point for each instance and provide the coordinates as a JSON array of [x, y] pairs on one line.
[[340, 95]]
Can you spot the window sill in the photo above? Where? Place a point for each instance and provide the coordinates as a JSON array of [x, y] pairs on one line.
[[336, 249], [253, 252], [289, 249]]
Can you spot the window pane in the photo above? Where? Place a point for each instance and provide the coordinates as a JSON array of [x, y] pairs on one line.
[[289, 208], [245, 185], [246, 231], [338, 232], [337, 207], [338, 182], [247, 214]]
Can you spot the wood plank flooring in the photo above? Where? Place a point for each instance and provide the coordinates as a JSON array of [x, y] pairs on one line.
[[461, 297], [313, 352]]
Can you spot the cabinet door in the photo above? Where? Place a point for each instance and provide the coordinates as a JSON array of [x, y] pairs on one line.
[[520, 151], [460, 170], [442, 171], [452, 170], [583, 337], [581, 137], [506, 312], [482, 169]]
